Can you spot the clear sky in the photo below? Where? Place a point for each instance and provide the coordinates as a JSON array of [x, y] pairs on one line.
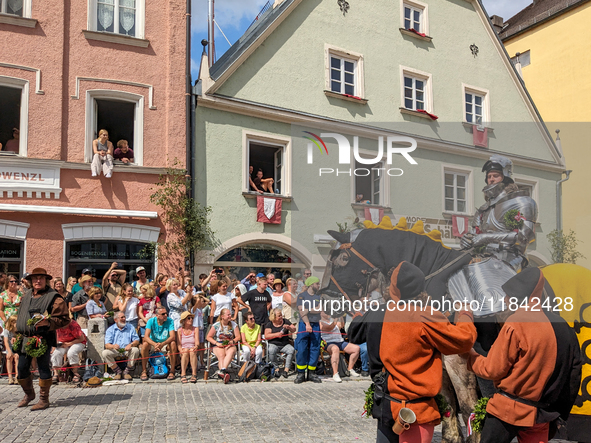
[[234, 17]]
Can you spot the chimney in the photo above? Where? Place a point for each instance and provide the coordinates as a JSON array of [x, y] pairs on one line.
[[497, 23]]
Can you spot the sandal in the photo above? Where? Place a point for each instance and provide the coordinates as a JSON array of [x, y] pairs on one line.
[[183, 379], [193, 379], [54, 380], [77, 379], [171, 376], [144, 376]]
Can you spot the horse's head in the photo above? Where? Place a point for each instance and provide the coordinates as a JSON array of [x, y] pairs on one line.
[[354, 267]]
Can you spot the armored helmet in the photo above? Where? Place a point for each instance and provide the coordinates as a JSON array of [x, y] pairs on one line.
[[501, 164]]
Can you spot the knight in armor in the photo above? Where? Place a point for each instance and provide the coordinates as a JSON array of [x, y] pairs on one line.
[[504, 226]]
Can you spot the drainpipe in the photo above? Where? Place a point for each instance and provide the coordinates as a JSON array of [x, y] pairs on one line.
[[188, 116], [559, 199]]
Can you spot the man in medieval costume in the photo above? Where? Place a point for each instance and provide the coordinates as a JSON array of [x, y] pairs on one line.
[[41, 313], [535, 364], [504, 225], [405, 347]]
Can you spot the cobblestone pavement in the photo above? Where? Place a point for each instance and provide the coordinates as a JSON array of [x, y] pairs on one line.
[[205, 412], [162, 411]]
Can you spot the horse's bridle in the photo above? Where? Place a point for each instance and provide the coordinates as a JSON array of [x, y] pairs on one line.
[[367, 272]]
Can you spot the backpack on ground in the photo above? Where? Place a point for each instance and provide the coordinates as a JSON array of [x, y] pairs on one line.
[[265, 371], [92, 370], [158, 368], [247, 371]]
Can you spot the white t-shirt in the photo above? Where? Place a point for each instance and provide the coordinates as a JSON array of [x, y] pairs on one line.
[[222, 301], [131, 309], [277, 301], [334, 336]]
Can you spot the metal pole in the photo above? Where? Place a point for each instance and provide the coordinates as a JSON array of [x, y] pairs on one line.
[[210, 33], [559, 200]]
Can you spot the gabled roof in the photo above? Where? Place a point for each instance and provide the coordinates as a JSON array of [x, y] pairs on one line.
[[535, 14], [250, 36]]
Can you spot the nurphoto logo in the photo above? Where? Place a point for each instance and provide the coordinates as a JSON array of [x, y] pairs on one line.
[[392, 147]]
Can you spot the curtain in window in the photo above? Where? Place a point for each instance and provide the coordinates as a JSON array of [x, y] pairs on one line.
[[15, 7], [106, 14], [127, 16]]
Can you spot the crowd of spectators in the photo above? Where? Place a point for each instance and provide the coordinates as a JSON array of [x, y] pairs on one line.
[[260, 318]]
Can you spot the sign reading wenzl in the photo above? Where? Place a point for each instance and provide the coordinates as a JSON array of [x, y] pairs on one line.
[[27, 181]]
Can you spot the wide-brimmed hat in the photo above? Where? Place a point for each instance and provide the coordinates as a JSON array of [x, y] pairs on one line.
[[86, 278], [186, 314], [38, 271], [278, 281]]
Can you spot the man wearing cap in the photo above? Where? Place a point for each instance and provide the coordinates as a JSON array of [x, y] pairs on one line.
[[42, 302], [535, 364], [504, 225], [259, 302], [121, 342], [140, 271], [79, 301], [112, 281], [78, 286], [307, 343], [405, 346]]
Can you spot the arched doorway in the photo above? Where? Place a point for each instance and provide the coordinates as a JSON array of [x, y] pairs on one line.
[[260, 257]]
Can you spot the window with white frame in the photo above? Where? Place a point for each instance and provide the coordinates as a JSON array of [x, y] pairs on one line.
[[476, 105], [455, 191], [344, 72], [527, 185], [121, 114], [342, 75], [474, 108], [369, 183], [124, 17], [20, 8], [267, 164], [14, 103], [414, 92]]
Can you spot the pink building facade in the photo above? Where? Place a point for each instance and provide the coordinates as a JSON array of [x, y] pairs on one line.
[[68, 70]]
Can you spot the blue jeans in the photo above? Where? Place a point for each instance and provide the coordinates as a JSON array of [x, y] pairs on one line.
[[364, 358]]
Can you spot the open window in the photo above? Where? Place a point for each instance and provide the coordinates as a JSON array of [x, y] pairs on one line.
[[271, 156], [369, 183], [121, 114], [14, 117]]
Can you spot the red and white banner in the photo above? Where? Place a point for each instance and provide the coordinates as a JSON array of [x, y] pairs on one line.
[[459, 225], [269, 209], [374, 214], [480, 136]]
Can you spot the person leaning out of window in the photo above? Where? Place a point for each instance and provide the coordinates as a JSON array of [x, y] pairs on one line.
[[102, 150]]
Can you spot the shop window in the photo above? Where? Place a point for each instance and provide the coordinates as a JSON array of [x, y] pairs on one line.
[[99, 255], [14, 106], [124, 17], [241, 261], [11, 257], [121, 114]]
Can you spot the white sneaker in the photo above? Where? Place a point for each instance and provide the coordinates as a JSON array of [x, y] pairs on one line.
[[353, 373], [93, 174], [108, 176], [337, 378]]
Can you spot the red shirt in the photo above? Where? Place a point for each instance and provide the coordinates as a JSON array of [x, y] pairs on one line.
[[145, 301], [70, 333]]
